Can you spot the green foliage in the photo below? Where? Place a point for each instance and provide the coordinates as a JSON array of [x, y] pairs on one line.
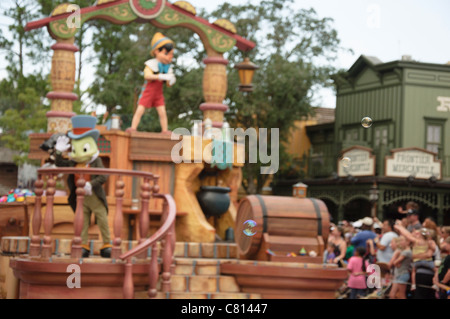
[[122, 52], [22, 48], [295, 50], [17, 122], [22, 107]]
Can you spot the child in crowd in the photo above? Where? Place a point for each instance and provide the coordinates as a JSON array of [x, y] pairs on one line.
[[421, 246], [371, 251], [350, 248], [330, 253], [401, 261], [442, 276], [357, 266], [445, 233]]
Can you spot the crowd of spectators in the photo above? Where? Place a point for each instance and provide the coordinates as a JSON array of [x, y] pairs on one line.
[[412, 256]]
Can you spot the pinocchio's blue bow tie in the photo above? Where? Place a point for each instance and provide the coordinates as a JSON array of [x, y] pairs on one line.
[[163, 68]]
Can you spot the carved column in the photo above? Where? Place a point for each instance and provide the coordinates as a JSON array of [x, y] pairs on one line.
[[48, 219], [214, 88], [118, 219], [63, 81], [144, 218], [79, 218], [35, 245]]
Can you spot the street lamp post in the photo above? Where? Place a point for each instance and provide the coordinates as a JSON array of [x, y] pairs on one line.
[[373, 198]]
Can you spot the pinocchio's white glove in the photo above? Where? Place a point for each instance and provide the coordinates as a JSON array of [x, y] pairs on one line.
[[164, 77], [172, 79]]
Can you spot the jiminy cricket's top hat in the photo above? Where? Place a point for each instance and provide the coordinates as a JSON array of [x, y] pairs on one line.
[[83, 126]]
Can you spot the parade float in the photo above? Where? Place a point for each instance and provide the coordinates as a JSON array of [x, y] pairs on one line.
[[178, 228]]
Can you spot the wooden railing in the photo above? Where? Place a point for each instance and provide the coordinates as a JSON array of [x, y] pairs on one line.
[[166, 232]]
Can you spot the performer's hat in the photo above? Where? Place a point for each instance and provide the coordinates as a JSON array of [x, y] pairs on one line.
[[158, 41], [82, 126]]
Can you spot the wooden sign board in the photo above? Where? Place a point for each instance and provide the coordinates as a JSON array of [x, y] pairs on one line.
[[417, 162], [361, 163]]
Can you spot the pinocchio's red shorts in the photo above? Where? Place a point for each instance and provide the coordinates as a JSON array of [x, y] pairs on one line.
[[152, 94]]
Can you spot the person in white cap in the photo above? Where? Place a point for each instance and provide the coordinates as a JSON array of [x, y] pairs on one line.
[[360, 239], [357, 224]]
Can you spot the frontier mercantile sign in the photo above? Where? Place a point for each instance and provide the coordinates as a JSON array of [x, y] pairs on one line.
[[416, 162]]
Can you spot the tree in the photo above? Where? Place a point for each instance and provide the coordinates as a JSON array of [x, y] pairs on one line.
[[22, 95], [22, 105], [22, 45], [122, 52], [295, 50], [19, 122]]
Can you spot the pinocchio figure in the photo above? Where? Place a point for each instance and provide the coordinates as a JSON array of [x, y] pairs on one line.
[[157, 72]]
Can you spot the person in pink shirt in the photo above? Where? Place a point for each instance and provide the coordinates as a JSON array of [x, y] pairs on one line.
[[357, 266]]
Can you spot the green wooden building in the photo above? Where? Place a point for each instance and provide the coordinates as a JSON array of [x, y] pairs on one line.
[[404, 155]]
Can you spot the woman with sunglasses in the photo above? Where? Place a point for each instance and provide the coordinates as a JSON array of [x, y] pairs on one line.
[[423, 249]]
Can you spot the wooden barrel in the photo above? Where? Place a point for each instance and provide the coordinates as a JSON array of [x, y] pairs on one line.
[[279, 217]]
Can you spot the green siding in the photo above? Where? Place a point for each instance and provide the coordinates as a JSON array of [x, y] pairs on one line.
[[401, 100], [422, 88], [427, 78], [382, 104], [367, 79], [379, 104], [390, 79], [399, 96], [421, 103]]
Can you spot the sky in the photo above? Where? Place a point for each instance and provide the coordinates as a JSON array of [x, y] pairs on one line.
[[386, 29]]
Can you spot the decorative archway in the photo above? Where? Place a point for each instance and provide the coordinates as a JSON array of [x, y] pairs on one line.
[[390, 209], [332, 206], [356, 208], [217, 38]]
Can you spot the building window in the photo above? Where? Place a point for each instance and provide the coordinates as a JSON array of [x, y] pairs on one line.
[[380, 136], [434, 137], [351, 135]]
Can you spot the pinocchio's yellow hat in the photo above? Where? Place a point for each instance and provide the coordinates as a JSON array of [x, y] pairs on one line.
[[158, 41]]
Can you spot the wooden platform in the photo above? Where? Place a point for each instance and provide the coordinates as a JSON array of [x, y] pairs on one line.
[[282, 280], [152, 152], [201, 271]]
